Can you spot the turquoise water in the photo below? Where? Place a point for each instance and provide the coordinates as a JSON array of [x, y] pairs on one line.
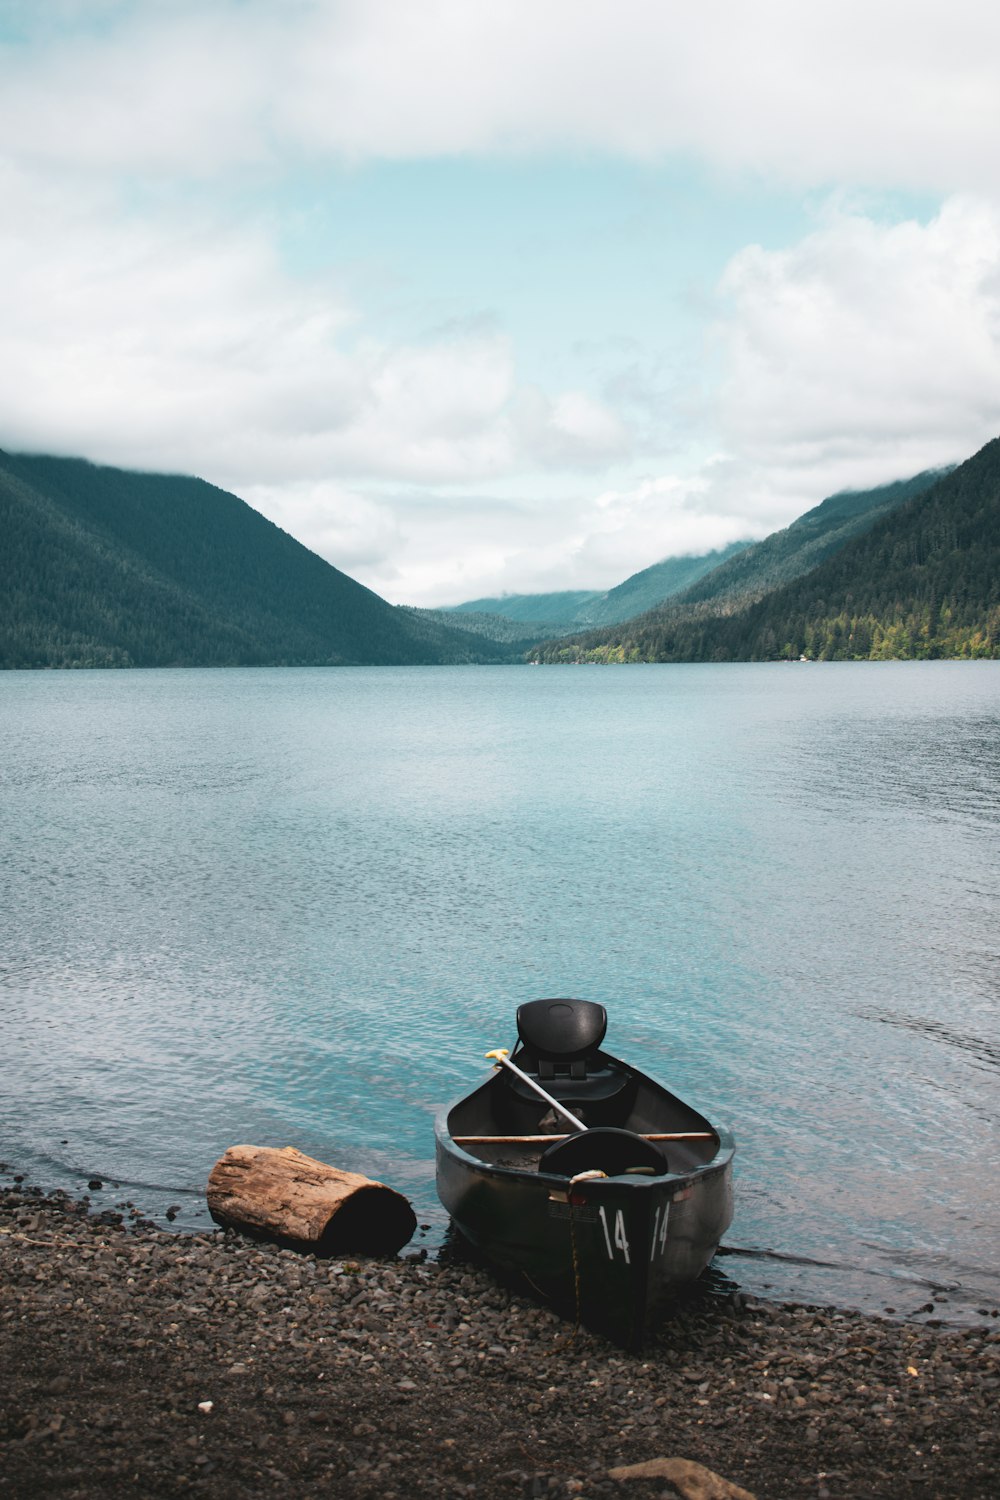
[[296, 907]]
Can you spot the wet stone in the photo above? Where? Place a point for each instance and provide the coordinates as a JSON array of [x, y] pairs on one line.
[[430, 1379]]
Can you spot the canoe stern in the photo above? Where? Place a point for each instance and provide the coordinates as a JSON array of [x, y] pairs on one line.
[[609, 1250]]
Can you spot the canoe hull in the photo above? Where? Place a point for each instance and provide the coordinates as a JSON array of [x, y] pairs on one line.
[[610, 1251]]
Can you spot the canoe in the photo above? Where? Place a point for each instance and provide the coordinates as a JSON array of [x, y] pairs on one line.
[[606, 1221]]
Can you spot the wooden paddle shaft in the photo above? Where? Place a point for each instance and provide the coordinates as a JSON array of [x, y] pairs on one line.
[[540, 1140]]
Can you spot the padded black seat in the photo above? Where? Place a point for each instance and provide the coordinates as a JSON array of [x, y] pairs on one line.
[[560, 1046], [603, 1149], [565, 1032]]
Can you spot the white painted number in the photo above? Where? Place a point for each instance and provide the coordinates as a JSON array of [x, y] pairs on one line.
[[620, 1237], [604, 1226], [658, 1241]]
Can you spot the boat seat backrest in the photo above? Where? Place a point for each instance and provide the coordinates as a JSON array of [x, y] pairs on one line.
[[613, 1152], [559, 1044], [561, 1035]]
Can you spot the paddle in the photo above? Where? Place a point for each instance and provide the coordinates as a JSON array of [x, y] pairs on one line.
[[500, 1053]]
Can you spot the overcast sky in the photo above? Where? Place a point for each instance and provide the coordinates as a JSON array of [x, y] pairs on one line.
[[483, 296]]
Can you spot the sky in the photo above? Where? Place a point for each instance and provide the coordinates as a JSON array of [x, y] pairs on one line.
[[477, 297]]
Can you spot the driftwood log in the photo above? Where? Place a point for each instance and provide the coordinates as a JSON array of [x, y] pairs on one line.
[[281, 1195]]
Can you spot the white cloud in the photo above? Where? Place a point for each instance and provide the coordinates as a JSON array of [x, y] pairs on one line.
[[458, 545], [157, 344], [818, 93], [861, 354], [355, 532], [175, 342], [468, 546], [147, 316], [154, 89], [668, 516], [573, 430], [865, 352]]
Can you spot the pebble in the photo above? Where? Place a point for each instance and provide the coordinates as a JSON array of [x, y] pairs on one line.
[[426, 1379]]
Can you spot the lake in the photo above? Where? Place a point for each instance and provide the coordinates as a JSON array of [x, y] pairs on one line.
[[298, 906]]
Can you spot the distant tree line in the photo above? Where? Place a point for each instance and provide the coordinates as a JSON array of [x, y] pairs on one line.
[[923, 582]]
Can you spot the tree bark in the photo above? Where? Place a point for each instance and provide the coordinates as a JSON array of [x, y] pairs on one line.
[[279, 1194]]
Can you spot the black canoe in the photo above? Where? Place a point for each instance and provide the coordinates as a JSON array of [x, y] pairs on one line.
[[606, 1222]]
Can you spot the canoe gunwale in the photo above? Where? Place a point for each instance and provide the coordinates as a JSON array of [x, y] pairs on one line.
[[718, 1163]]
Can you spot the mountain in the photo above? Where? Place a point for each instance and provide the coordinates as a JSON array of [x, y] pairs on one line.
[[737, 574], [922, 581], [803, 545], [569, 610], [103, 567], [557, 612], [516, 634], [654, 585]]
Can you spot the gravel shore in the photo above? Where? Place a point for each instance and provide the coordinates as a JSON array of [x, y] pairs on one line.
[[142, 1362]]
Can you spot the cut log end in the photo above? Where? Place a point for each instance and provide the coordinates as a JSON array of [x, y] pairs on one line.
[[306, 1205]]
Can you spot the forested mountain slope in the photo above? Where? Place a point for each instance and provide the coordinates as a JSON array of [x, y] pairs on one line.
[[923, 581], [802, 546], [568, 610], [104, 567], [732, 576], [558, 609], [517, 634], [656, 585]]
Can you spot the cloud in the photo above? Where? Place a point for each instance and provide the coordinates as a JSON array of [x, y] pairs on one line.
[[816, 94], [860, 354], [572, 430], [667, 516], [455, 544], [180, 341], [355, 532], [159, 344], [154, 89], [148, 316], [465, 546], [865, 352]]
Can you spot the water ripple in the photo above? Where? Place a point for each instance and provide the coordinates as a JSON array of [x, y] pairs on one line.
[[298, 907]]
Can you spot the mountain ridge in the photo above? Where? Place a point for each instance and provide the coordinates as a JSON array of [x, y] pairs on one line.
[[922, 582], [569, 610], [110, 567], [806, 542], [742, 570]]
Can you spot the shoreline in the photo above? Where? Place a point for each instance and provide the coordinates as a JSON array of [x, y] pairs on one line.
[[412, 1377], [784, 1278]]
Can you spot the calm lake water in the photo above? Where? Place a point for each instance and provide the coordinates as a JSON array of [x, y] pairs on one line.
[[297, 907]]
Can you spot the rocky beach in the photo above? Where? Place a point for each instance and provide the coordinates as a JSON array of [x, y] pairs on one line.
[[144, 1362]]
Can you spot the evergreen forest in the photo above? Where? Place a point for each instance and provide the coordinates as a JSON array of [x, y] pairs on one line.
[[922, 582], [102, 567]]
